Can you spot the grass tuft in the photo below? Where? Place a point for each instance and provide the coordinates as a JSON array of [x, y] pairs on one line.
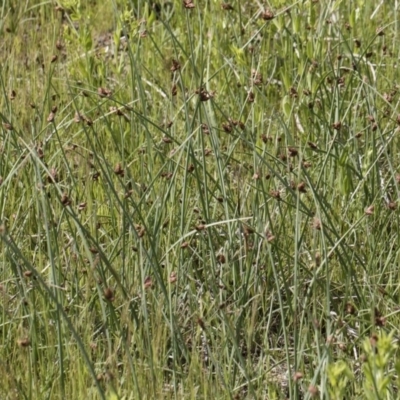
[[199, 200]]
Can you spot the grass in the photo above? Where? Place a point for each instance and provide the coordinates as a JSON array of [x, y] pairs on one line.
[[199, 200]]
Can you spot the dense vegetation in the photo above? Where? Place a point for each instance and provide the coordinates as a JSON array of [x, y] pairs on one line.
[[199, 200]]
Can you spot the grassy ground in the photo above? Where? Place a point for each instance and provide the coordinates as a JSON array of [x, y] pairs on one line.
[[199, 200]]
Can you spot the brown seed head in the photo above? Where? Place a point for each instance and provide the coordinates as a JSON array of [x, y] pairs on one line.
[[141, 233], [256, 77], [166, 175], [188, 4], [251, 97], [118, 170], [25, 342], [226, 7], [297, 376], [174, 90], [248, 230], [88, 121], [28, 274], [227, 127], [128, 193], [108, 375], [51, 117], [276, 194], [313, 390], [293, 92], [205, 129], [317, 224], [380, 320], [374, 339], [369, 210], [301, 187], [388, 97], [269, 236], [221, 258], [201, 323], [204, 94], [59, 45], [350, 309], [267, 15], [342, 346], [330, 339], [7, 126], [148, 283], [173, 277], [175, 66], [53, 177], [65, 200], [293, 152], [109, 294], [337, 125], [77, 117], [94, 250], [190, 168], [104, 92], [167, 139]]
